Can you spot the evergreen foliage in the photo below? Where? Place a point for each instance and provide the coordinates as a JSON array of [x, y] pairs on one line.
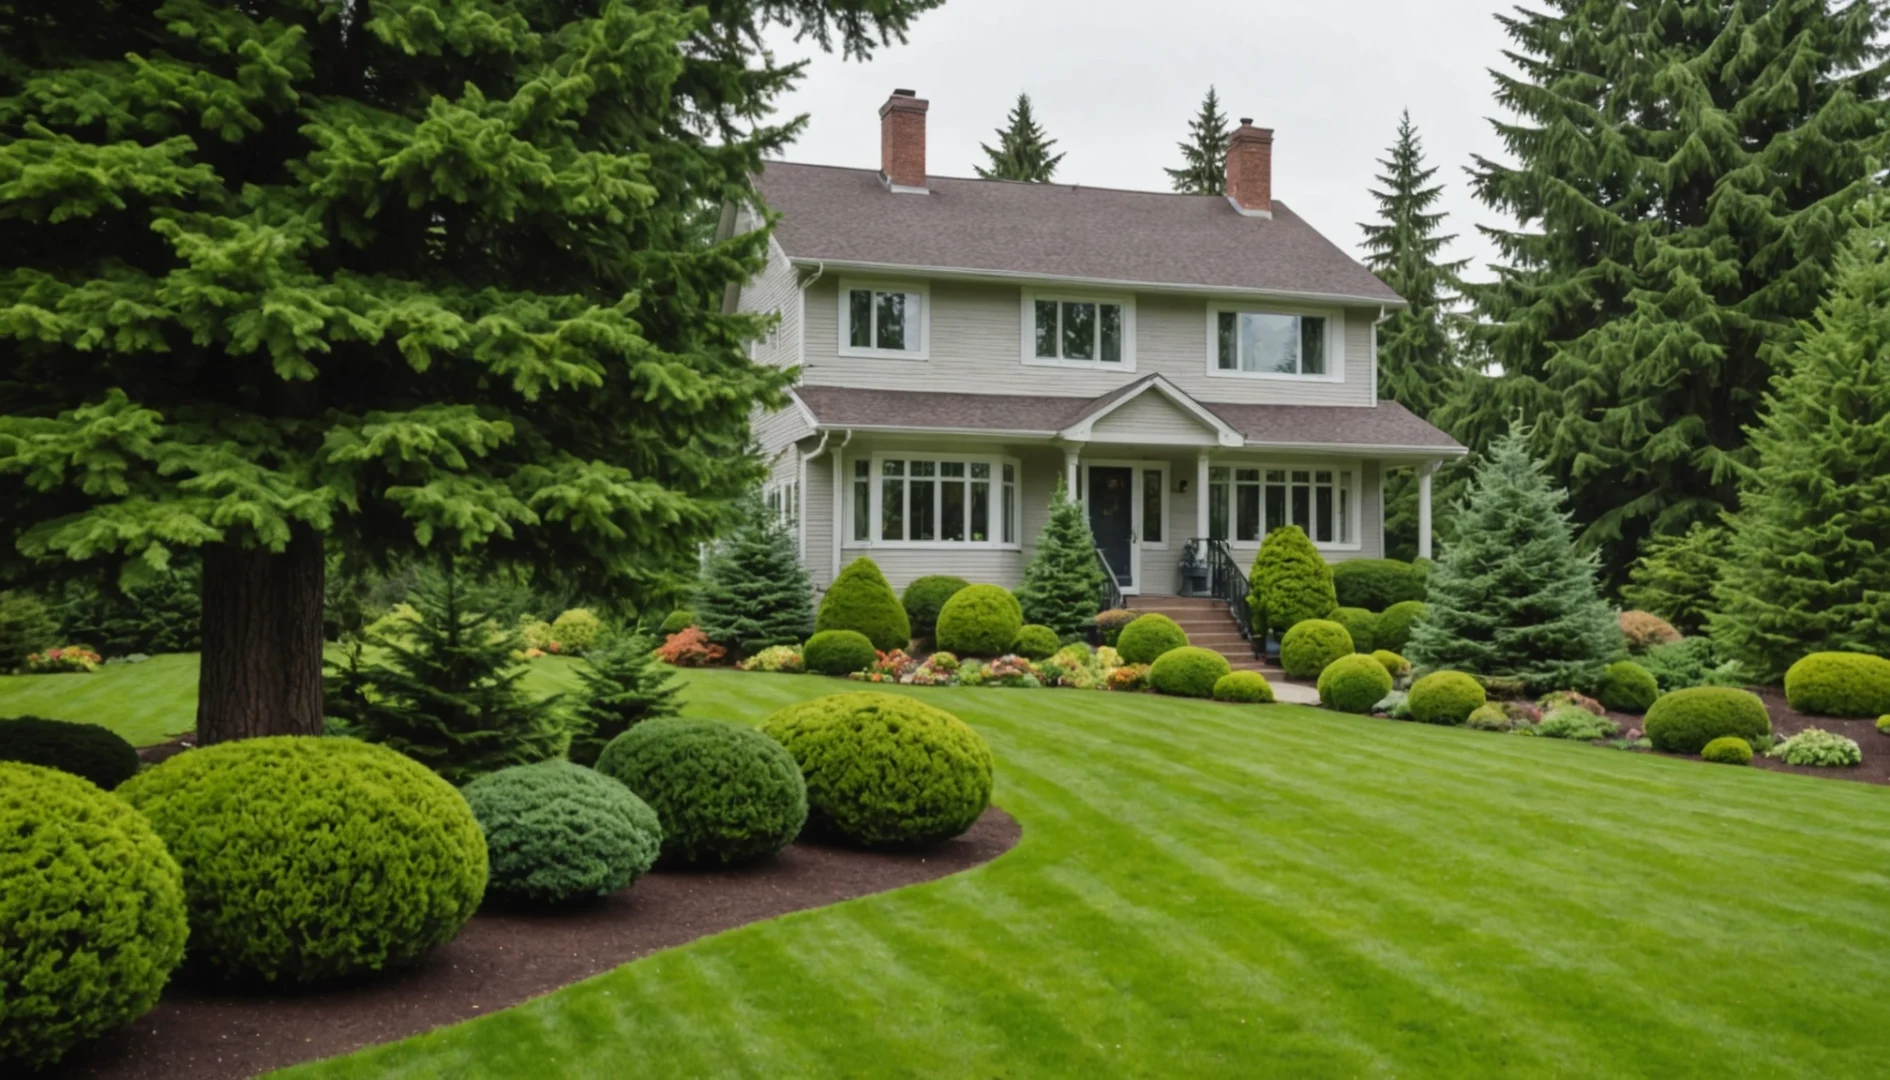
[[1244, 687], [1513, 597], [1676, 575], [860, 599], [160, 614], [1023, 149], [1376, 584], [838, 652], [621, 683], [556, 831], [1839, 684], [755, 592], [1684, 721], [1417, 346], [724, 792], [1354, 684], [981, 620], [92, 751], [26, 626], [1189, 671], [1204, 153], [1291, 582], [1149, 637], [1312, 645], [1445, 697], [1061, 585], [925, 597]]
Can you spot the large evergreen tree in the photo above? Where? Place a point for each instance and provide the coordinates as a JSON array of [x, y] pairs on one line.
[[1808, 567], [1681, 173], [1023, 149], [383, 277], [1063, 582], [1204, 154], [755, 592]]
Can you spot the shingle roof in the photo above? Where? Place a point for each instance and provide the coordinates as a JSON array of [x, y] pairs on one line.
[[1057, 230]]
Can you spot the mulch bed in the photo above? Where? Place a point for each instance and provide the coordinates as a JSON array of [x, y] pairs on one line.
[[501, 959], [1787, 722]]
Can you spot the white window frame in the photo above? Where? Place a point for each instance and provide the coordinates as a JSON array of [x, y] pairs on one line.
[[783, 500], [876, 478], [844, 326], [1356, 507], [1028, 320], [1335, 341]]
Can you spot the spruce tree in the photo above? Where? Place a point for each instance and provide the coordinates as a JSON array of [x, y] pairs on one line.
[[1681, 173], [1023, 151], [1204, 155], [754, 591], [387, 278], [1676, 576], [1808, 567], [1512, 596], [1063, 582], [620, 685]]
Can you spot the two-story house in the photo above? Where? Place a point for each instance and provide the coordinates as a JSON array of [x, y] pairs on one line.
[[1190, 366]]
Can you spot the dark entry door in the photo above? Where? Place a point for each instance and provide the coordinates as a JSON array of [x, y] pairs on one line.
[[1112, 518]]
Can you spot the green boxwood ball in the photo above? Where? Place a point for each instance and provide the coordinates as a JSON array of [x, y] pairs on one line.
[[1728, 750], [1359, 623], [724, 793], [1147, 637], [1188, 671], [1445, 697], [99, 754], [1376, 584], [1354, 684], [1308, 647], [1246, 687], [1883, 725], [1684, 721], [838, 652], [556, 831], [276, 837], [925, 598], [860, 599], [91, 914], [1627, 687], [677, 621], [1393, 629], [1839, 684], [1035, 642], [885, 770], [1396, 666], [980, 620]]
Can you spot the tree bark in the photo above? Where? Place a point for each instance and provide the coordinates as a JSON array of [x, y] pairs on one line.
[[261, 669]]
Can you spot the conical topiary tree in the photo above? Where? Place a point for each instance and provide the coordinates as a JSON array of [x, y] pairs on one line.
[[1512, 596], [1291, 582], [861, 600], [620, 684], [1062, 582], [754, 591]]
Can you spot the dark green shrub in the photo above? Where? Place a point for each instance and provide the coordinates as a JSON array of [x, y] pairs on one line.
[[1246, 687], [755, 592], [1728, 750], [925, 597], [1396, 666], [1291, 582], [723, 792], [884, 770], [1353, 684], [1839, 684], [1393, 629], [1308, 647], [1061, 583], [979, 620], [1035, 643], [1188, 672], [1376, 584], [97, 753], [1684, 721], [860, 599], [1148, 637], [162, 615], [91, 914], [277, 836], [556, 831], [620, 684], [1111, 623], [1362, 625], [1576, 725], [1693, 661], [1627, 687], [838, 652], [1445, 697], [26, 626], [677, 621]]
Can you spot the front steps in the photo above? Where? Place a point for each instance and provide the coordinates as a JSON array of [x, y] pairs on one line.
[[1209, 625]]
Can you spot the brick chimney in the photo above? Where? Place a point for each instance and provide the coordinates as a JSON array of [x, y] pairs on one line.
[[902, 142], [1250, 170]]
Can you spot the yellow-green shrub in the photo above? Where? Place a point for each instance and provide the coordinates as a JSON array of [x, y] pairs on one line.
[[1839, 684], [1445, 697], [1311, 645], [1249, 687], [1353, 684], [1188, 672]]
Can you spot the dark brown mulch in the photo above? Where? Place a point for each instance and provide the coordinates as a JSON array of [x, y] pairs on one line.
[[1787, 722], [501, 959], [164, 751]]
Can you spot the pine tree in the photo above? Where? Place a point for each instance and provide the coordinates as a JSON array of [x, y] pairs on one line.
[[386, 278], [620, 685], [447, 691], [1676, 576], [1023, 151], [1063, 582], [1204, 154], [1681, 174], [754, 591], [1512, 596], [1808, 568]]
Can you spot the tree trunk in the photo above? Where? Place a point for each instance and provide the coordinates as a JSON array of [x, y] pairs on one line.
[[261, 670]]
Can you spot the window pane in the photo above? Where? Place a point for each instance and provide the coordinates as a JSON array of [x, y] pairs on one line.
[[860, 318], [1217, 508], [1275, 508], [1312, 345], [1247, 512], [980, 470], [1152, 505], [1302, 476], [1010, 474], [1247, 476], [1323, 476], [1112, 333], [1269, 343], [892, 509], [951, 468], [980, 511], [1302, 507], [862, 501], [924, 522], [924, 468], [1345, 508], [1079, 331], [1047, 328], [1228, 347], [1010, 508], [951, 496], [890, 309]]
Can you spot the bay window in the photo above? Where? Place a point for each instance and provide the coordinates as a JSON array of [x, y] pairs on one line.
[[1245, 501], [1078, 331], [884, 320], [934, 499], [1271, 343]]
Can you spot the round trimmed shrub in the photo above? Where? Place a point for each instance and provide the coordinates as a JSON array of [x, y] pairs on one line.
[[1489, 717], [884, 770], [1246, 687], [576, 630], [1188, 672], [724, 793], [557, 831], [1684, 721], [838, 652], [1145, 640], [96, 753], [1728, 750], [859, 599], [1627, 687], [1359, 623], [1354, 684], [1396, 666], [1035, 643], [1839, 684], [1290, 583], [1445, 697], [677, 621], [1393, 630], [925, 598], [1309, 647], [1883, 725], [1376, 584], [91, 914], [277, 836], [979, 620]]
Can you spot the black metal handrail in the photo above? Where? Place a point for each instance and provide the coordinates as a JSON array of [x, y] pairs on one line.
[[1227, 584], [1110, 596]]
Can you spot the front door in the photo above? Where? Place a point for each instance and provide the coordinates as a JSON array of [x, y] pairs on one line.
[[1112, 518]]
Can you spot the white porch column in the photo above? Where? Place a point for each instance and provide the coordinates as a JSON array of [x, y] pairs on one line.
[[1069, 471], [842, 494], [1424, 508], [1201, 496]]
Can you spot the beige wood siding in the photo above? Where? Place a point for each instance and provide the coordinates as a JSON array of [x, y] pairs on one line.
[[774, 291], [1152, 419]]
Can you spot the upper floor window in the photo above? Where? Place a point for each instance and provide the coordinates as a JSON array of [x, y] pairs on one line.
[[1079, 331], [1271, 344], [879, 319]]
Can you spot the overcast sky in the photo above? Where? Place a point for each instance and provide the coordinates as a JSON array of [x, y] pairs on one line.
[[1116, 82]]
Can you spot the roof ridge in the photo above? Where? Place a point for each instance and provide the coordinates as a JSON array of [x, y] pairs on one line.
[[1049, 186]]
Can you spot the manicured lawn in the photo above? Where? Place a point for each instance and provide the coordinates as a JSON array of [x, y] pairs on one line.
[[1217, 891]]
